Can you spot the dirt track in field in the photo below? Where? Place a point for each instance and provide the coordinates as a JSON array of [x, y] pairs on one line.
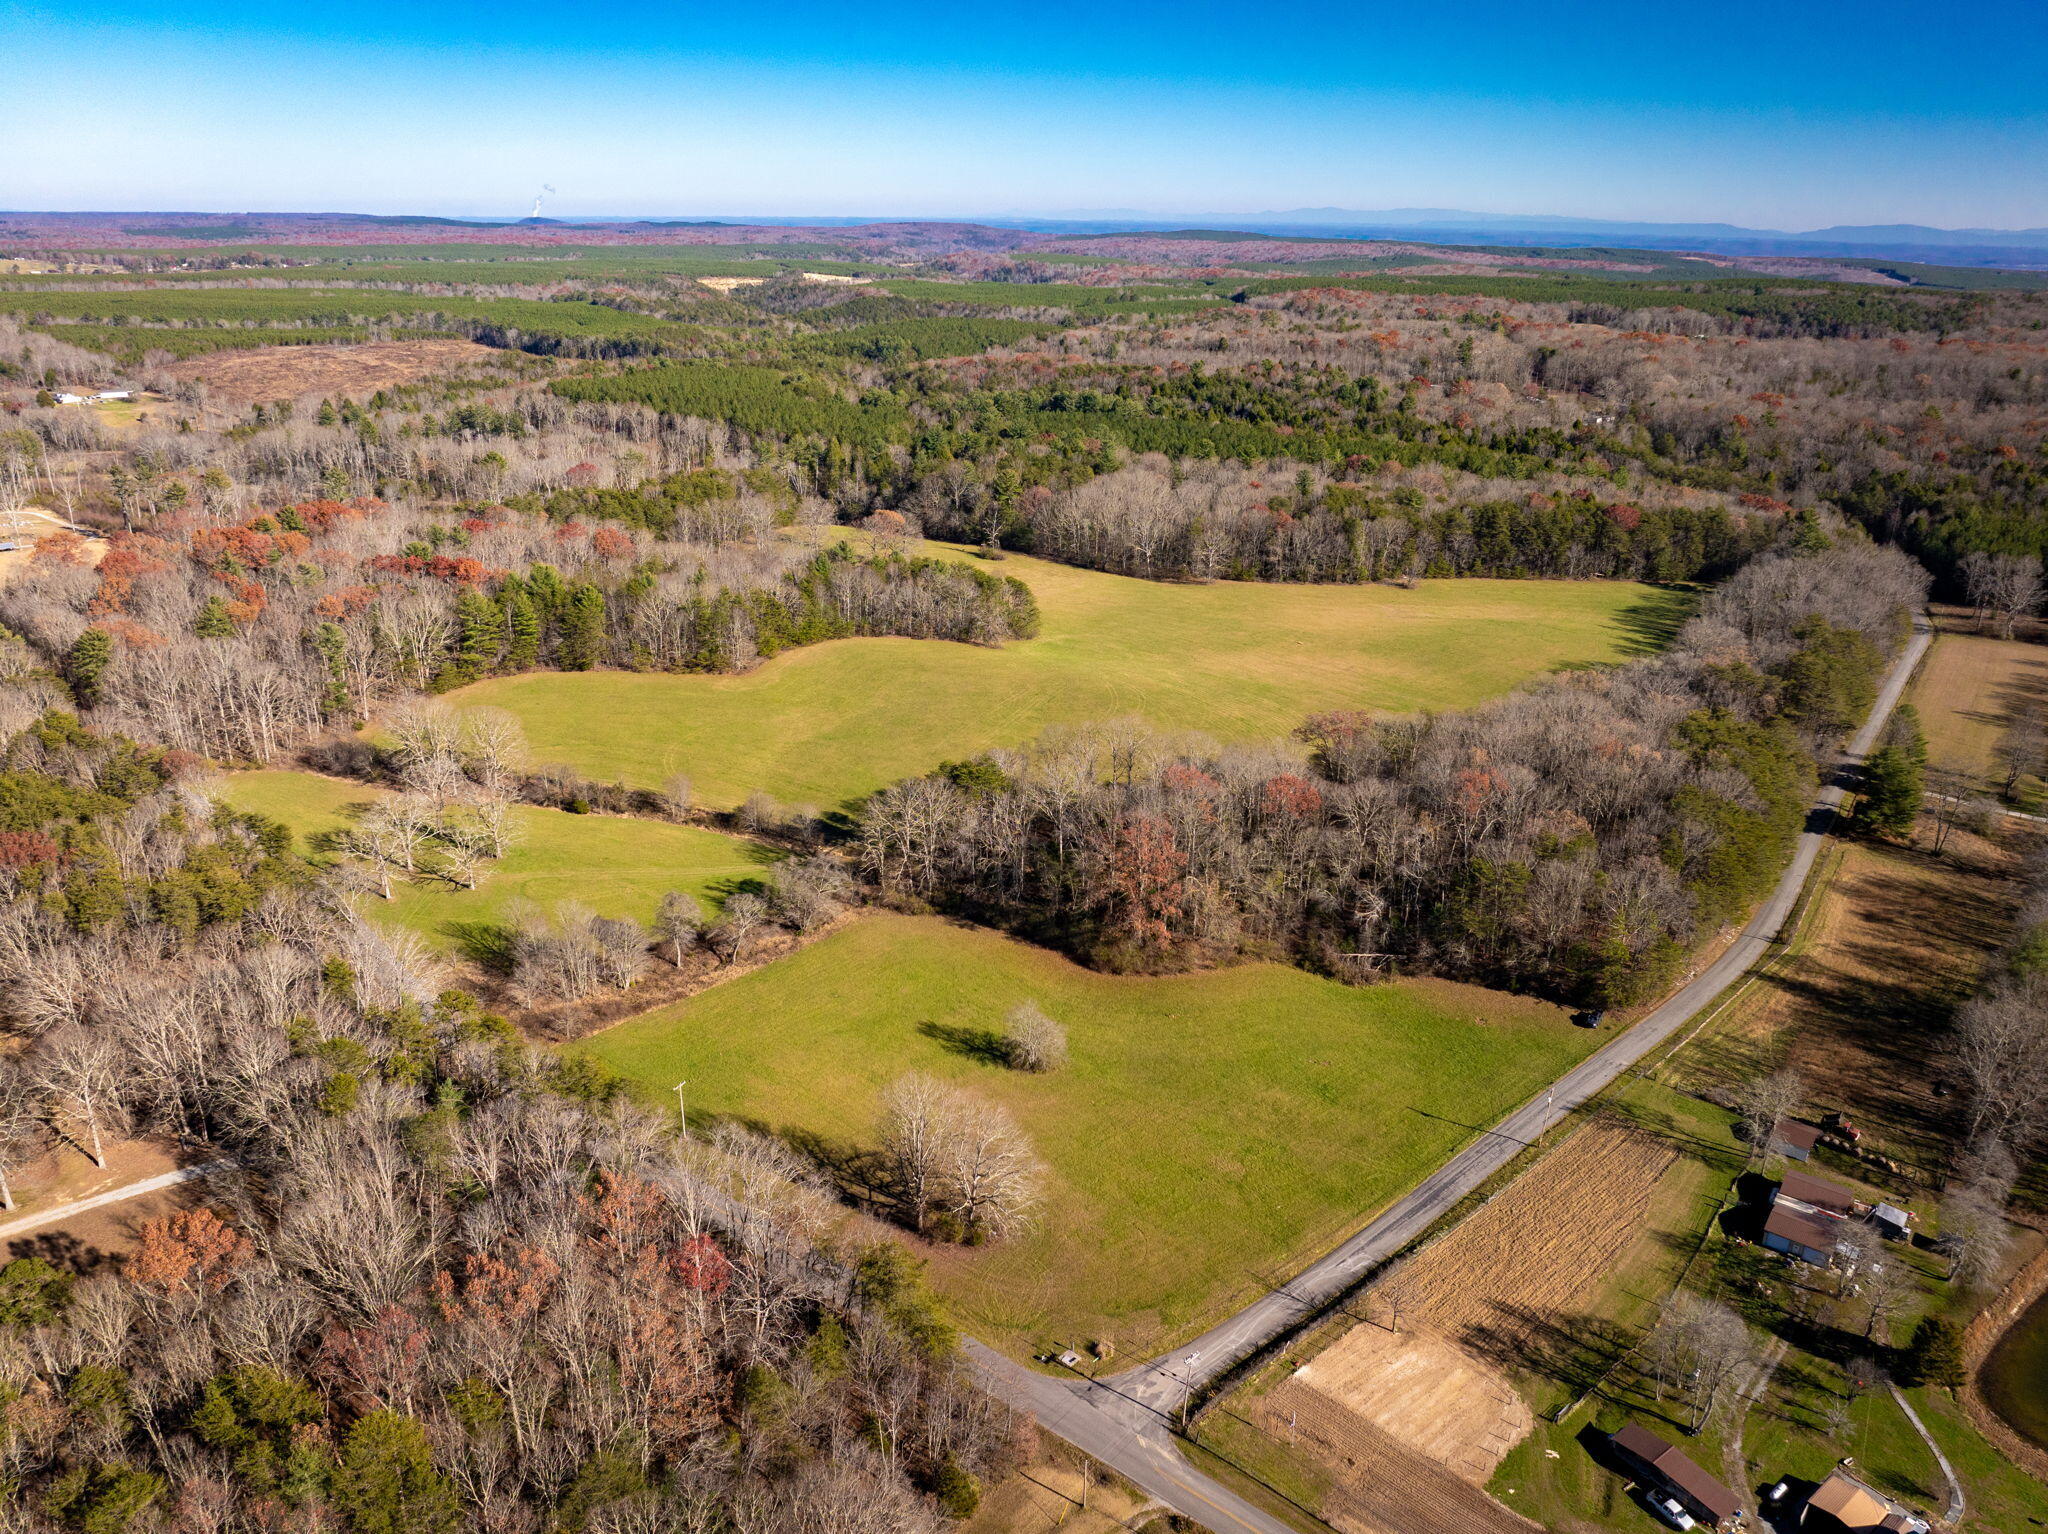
[[286, 372]]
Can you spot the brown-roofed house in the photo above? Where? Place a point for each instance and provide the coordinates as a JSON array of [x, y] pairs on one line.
[[1666, 1472], [1809, 1237], [1791, 1138]]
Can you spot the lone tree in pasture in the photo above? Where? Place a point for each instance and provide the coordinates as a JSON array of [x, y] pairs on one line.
[[946, 1150], [1032, 1041]]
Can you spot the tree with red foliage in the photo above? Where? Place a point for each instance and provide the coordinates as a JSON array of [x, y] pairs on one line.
[[1144, 871]]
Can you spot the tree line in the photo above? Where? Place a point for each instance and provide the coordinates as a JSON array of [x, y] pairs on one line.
[[1575, 839]]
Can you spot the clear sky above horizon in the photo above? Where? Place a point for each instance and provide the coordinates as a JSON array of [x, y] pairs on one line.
[[1793, 115]]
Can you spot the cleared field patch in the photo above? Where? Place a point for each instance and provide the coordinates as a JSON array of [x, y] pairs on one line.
[[1969, 689], [1378, 1484], [1429, 1393], [829, 722], [285, 372], [1210, 1132], [617, 867]]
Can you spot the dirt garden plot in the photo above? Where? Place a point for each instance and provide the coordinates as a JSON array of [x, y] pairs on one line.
[[1430, 1394], [286, 372], [1378, 1484]]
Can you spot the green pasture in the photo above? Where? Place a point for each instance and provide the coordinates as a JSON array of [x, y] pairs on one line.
[[1210, 1133], [1235, 660], [615, 866]]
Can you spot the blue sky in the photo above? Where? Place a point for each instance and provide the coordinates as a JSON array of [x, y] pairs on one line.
[[1791, 115]]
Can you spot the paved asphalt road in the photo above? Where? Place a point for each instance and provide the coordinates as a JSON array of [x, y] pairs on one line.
[[1125, 1420]]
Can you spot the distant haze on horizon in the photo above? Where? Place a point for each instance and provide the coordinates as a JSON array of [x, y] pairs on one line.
[[1778, 118]]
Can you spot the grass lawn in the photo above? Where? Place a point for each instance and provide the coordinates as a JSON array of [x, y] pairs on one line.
[[616, 866], [2001, 1496], [829, 722], [1966, 692], [1211, 1133]]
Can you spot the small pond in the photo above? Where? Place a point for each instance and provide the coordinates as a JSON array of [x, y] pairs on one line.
[[2015, 1376]]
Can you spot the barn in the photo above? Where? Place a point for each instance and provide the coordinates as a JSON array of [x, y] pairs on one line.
[[1667, 1474]]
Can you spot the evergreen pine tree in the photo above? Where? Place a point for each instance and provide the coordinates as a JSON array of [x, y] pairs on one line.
[[583, 628], [86, 662], [1895, 778], [387, 1484], [213, 620], [522, 630]]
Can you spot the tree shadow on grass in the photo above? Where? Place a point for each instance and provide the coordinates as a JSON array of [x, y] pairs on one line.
[[487, 943], [61, 1250], [983, 1044], [720, 890], [1650, 624]]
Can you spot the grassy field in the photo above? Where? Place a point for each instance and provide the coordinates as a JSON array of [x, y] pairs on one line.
[[1966, 692], [617, 867], [1211, 1133], [833, 721]]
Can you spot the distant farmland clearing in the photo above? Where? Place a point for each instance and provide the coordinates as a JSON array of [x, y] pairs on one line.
[[1234, 660], [1210, 1132]]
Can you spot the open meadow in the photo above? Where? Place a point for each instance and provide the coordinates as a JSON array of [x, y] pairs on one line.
[[1236, 660], [615, 866], [1210, 1132], [1968, 692]]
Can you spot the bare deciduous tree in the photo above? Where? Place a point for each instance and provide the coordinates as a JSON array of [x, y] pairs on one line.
[[1032, 1041]]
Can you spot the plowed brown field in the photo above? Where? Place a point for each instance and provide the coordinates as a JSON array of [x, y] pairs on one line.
[[1378, 1484], [1529, 1253], [1430, 1394]]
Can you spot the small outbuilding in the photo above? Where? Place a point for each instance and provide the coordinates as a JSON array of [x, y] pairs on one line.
[[1668, 1475], [1793, 1139], [1893, 1223], [1842, 1502]]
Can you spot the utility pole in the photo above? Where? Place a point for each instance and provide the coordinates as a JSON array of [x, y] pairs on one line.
[[682, 1116]]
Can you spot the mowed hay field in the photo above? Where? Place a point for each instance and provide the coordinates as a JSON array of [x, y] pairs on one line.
[[1967, 691], [615, 866], [1237, 660], [1209, 1134]]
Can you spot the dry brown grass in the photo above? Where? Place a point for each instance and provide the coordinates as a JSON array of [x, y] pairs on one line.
[[286, 372], [1967, 691], [1528, 1255], [1861, 1012]]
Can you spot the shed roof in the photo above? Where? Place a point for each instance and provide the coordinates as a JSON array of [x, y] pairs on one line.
[[1669, 1461], [1829, 1198], [1792, 1132], [1848, 1503]]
